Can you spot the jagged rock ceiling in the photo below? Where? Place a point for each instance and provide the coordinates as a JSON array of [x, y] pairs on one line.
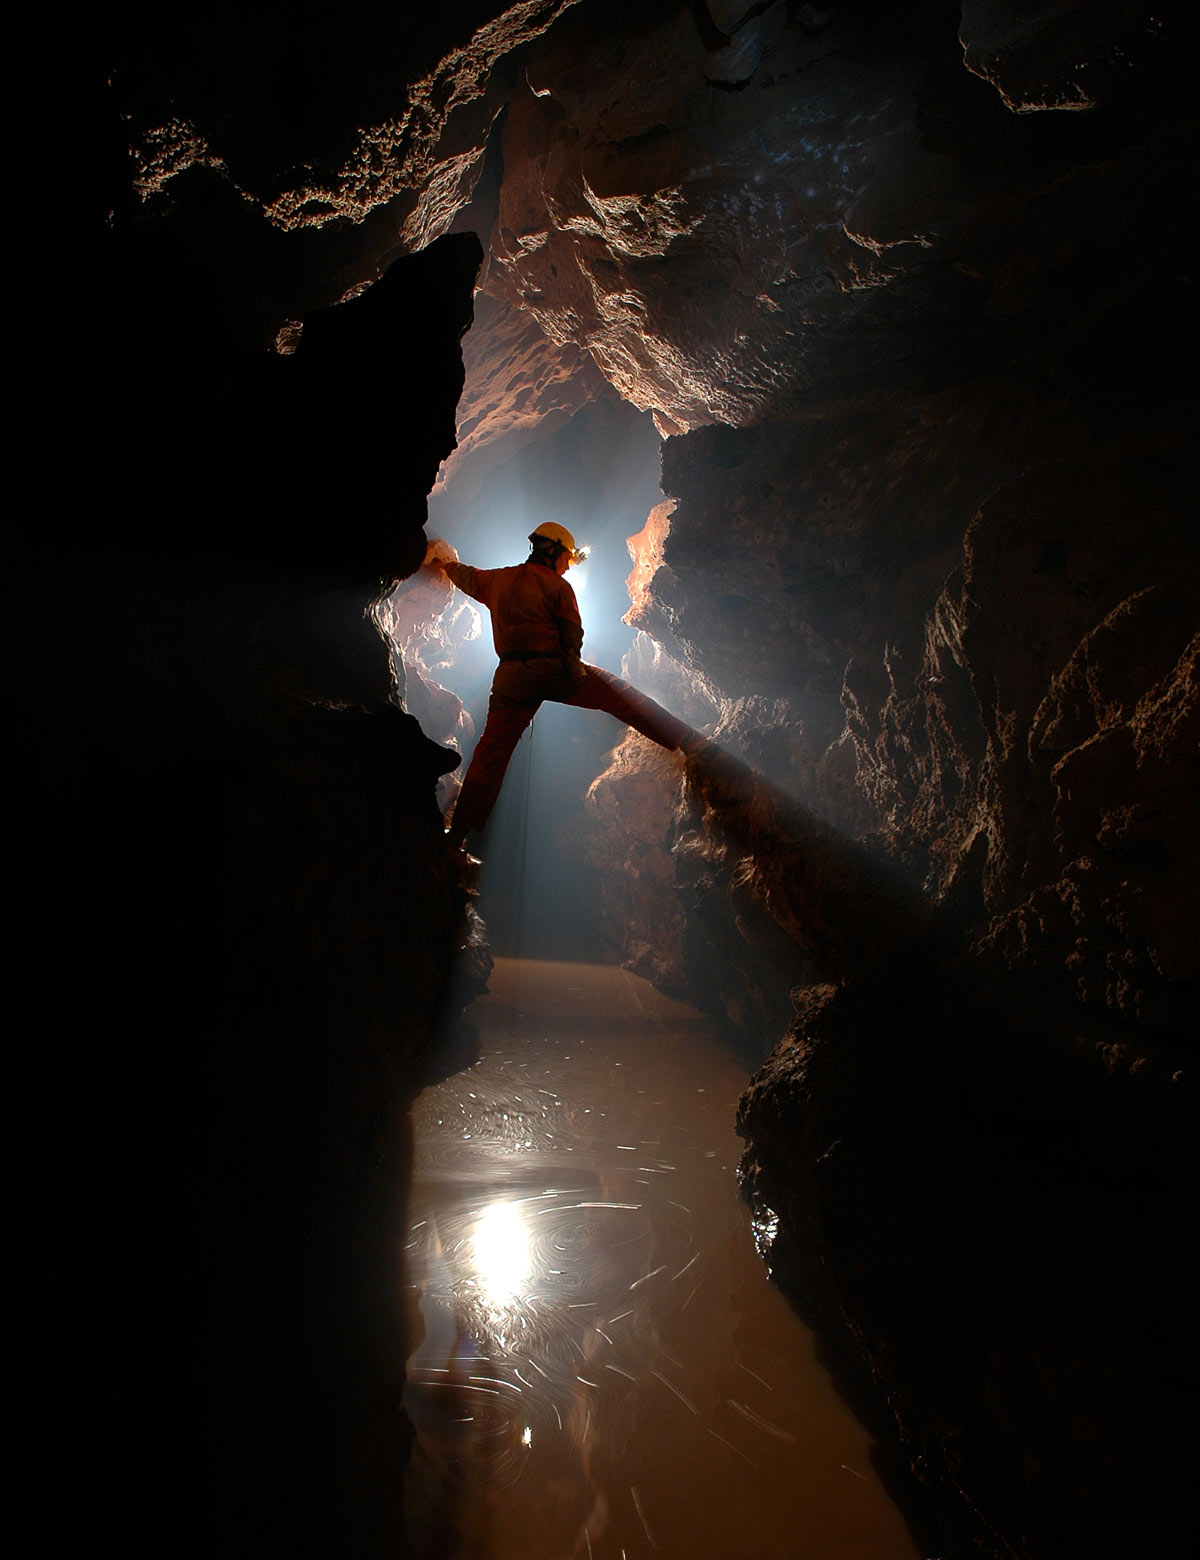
[[874, 266], [717, 208], [706, 246]]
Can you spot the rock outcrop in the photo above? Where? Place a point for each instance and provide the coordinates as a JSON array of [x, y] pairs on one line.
[[921, 567], [958, 621], [238, 929]]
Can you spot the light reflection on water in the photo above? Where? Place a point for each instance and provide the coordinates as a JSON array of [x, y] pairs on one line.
[[605, 1370]]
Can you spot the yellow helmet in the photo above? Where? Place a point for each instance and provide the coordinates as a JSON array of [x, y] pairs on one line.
[[561, 537]]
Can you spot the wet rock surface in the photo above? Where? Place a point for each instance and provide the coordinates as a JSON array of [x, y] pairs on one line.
[[1011, 1281], [962, 1136]]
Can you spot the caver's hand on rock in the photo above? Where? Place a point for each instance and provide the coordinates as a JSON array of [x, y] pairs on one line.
[[437, 553]]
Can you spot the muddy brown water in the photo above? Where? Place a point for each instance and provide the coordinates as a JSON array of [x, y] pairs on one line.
[[606, 1370]]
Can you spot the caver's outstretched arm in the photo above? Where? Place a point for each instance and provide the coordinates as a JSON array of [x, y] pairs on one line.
[[538, 635], [442, 558]]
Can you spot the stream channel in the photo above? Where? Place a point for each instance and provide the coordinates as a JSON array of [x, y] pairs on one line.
[[606, 1370]]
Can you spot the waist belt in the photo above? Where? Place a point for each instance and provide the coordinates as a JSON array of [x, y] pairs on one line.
[[532, 655]]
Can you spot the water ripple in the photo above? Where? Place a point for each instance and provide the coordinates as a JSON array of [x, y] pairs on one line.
[[602, 1368]]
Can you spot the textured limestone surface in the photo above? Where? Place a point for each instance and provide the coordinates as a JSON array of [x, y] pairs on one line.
[[717, 222], [284, 161], [520, 386], [906, 296], [922, 571], [923, 567]]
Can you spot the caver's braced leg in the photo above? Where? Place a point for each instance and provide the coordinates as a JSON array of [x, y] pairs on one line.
[[485, 773]]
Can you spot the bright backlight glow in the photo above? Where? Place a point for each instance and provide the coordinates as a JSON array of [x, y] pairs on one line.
[[503, 1252], [577, 578]]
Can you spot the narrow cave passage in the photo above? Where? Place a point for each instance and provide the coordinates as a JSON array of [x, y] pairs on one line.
[[602, 1367], [889, 305], [598, 473]]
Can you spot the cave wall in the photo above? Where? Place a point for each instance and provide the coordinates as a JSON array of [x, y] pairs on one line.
[[905, 295], [949, 608], [924, 573], [237, 935]]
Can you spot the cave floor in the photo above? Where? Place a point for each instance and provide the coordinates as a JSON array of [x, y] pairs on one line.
[[605, 1369]]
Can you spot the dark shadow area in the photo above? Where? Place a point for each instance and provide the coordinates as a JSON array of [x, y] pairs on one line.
[[221, 996], [845, 907], [967, 1204]]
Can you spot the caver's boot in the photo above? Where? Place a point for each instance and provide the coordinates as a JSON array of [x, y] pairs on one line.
[[464, 868], [695, 746]]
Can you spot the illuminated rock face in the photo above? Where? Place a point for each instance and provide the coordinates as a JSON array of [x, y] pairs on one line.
[[819, 578], [520, 386], [928, 575], [1024, 716], [921, 565], [717, 251], [290, 160]]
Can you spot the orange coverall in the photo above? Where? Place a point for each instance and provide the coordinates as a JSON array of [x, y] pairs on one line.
[[538, 635]]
